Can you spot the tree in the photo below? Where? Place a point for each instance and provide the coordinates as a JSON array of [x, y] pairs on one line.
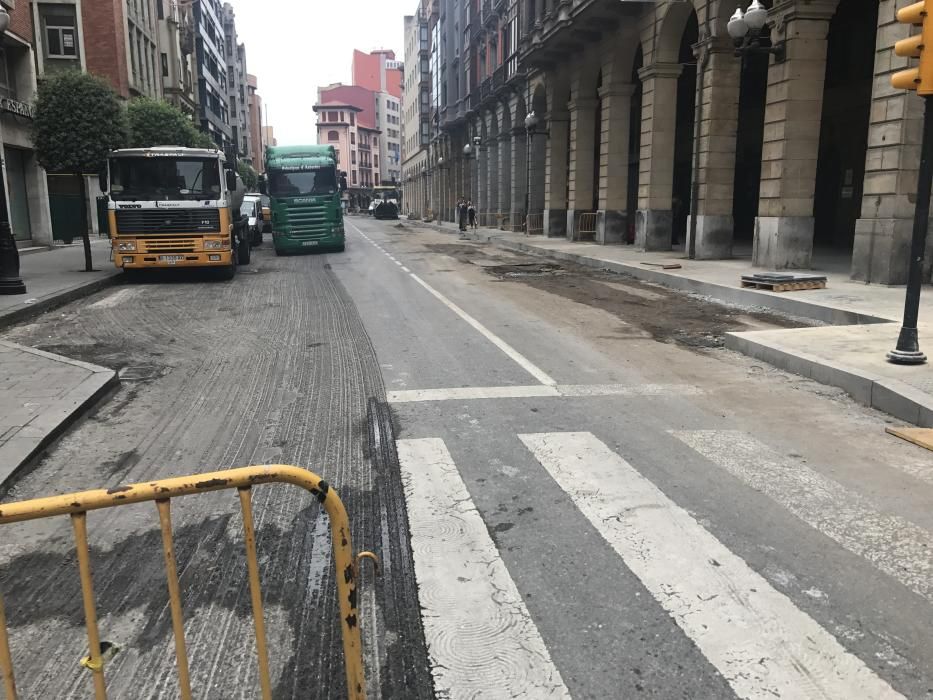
[[78, 121], [249, 175], [158, 123]]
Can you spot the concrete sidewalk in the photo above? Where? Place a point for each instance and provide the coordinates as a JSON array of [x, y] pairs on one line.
[[849, 353], [55, 277], [40, 395]]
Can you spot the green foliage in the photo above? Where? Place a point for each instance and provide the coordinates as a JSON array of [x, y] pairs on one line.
[[78, 121], [202, 140], [249, 175], [158, 123]]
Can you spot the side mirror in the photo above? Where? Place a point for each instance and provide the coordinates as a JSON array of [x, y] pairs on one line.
[[103, 180], [231, 181]]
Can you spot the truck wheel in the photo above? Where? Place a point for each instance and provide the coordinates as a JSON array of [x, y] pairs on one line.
[[244, 251]]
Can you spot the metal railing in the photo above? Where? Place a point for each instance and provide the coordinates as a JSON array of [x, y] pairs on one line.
[[534, 225], [162, 492], [585, 225]]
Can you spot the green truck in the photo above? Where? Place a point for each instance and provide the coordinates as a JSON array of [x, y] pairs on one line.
[[304, 189]]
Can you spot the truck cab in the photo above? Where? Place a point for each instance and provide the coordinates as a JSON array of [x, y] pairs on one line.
[[170, 206]]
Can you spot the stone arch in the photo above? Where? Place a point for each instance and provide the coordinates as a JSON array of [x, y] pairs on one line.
[[673, 25]]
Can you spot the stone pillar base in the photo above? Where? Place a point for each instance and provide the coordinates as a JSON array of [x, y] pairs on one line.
[[783, 242], [714, 237], [882, 250], [611, 226], [653, 229], [555, 223]]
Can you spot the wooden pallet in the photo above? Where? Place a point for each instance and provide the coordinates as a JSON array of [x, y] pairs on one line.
[[922, 437], [781, 286]]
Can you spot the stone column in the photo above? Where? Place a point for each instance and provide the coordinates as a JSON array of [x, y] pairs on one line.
[[505, 174], [491, 201], [883, 232], [784, 227], [719, 121], [582, 142], [519, 170], [555, 175], [612, 217], [655, 217]]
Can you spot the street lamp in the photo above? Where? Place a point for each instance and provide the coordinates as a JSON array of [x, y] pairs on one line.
[[424, 188], [10, 281], [745, 28]]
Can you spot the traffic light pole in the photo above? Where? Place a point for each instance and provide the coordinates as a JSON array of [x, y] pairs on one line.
[[907, 351]]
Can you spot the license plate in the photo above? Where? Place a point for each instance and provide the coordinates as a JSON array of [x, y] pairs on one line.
[[309, 242], [171, 259]]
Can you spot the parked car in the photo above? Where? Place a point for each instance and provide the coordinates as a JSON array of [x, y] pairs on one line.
[[252, 210]]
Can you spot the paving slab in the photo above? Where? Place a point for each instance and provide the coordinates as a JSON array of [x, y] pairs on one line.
[[55, 277], [41, 394]]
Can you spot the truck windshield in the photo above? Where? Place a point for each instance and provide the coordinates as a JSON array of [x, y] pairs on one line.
[[164, 178], [302, 183], [386, 194]]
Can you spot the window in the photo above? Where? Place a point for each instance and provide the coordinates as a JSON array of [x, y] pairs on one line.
[[352, 157], [353, 177], [60, 36], [352, 137], [7, 87], [352, 119], [333, 136], [164, 62]]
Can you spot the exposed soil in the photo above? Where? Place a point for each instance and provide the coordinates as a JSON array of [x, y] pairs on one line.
[[667, 315]]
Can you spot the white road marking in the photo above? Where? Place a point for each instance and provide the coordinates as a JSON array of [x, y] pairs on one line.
[[117, 298], [479, 392], [481, 638], [893, 544], [539, 390], [763, 645], [405, 269], [516, 356]]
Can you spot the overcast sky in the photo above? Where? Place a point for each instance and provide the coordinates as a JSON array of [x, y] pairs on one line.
[[294, 46]]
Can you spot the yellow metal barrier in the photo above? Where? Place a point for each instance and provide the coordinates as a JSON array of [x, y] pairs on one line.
[[78, 504]]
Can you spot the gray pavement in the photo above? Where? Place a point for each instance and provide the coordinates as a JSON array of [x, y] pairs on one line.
[[40, 395], [827, 355], [596, 496], [56, 276]]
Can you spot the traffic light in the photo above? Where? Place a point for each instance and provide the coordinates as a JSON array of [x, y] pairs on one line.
[[920, 78]]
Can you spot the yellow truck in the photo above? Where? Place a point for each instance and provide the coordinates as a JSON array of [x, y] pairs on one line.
[[171, 207]]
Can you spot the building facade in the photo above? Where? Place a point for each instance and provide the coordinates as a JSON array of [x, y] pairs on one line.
[[416, 125], [648, 129], [381, 74], [211, 63], [177, 55], [254, 105], [237, 88], [342, 125], [26, 190]]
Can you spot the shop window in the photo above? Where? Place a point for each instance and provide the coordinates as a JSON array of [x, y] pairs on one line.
[[333, 136]]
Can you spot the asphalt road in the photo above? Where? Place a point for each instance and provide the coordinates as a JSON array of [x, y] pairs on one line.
[[601, 501]]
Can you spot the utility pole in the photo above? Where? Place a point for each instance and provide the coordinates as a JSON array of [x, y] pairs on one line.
[[919, 79]]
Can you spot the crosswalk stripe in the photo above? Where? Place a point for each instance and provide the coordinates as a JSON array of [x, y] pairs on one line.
[[481, 638], [895, 545], [539, 390], [762, 644]]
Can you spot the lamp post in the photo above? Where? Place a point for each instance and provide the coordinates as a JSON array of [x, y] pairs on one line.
[[745, 28], [10, 281], [424, 188], [467, 154]]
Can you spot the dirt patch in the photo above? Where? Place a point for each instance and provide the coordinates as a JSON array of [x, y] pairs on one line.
[[664, 314]]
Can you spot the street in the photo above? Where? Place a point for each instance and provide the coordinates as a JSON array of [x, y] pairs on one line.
[[593, 498]]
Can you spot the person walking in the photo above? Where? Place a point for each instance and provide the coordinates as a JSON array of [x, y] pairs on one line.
[[462, 216], [472, 214]]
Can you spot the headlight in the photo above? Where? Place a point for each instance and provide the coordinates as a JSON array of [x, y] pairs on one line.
[[127, 246], [213, 245]]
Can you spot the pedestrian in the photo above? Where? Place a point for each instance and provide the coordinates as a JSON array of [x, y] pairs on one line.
[[462, 216], [472, 213]]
